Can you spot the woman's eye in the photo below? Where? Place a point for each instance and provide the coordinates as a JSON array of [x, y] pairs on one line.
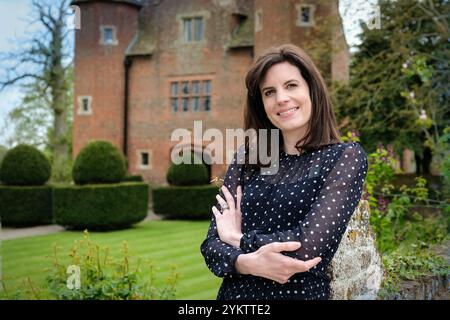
[[291, 85], [268, 93]]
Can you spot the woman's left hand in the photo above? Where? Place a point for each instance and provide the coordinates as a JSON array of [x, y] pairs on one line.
[[229, 221]]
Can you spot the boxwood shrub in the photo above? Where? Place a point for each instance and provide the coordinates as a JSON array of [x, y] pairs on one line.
[[99, 162], [136, 178], [25, 206], [193, 202], [25, 165], [100, 206]]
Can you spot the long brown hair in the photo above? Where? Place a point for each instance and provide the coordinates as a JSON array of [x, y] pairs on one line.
[[322, 129]]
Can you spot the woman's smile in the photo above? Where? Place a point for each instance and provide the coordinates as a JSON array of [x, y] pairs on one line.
[[287, 114]]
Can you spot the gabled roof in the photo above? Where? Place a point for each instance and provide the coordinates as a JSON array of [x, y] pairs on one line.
[[243, 35], [143, 43]]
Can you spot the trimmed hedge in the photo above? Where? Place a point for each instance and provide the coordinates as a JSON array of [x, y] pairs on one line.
[[134, 178], [194, 202], [25, 165], [25, 206], [99, 162], [101, 206]]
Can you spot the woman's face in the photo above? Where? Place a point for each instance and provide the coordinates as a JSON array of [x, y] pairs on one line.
[[286, 99]]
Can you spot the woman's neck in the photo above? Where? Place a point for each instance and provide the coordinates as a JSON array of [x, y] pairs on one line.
[[290, 139], [289, 144]]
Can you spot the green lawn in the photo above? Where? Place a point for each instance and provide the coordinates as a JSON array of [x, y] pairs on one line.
[[166, 243]]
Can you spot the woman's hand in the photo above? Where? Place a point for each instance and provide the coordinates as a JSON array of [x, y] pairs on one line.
[[229, 221], [268, 262]]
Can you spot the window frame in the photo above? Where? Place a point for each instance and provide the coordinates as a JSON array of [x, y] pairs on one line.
[[81, 111], [140, 153], [191, 35], [299, 22], [200, 95], [103, 41]]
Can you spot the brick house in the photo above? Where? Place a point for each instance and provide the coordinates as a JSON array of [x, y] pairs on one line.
[[145, 68]]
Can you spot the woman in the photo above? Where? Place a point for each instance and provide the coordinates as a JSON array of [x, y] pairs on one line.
[[276, 234]]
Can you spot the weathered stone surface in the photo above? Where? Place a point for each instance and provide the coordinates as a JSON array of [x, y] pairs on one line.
[[356, 270]]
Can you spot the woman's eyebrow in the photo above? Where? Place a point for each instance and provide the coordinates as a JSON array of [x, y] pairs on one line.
[[265, 88]]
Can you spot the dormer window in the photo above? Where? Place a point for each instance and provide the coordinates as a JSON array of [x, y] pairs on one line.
[[108, 36], [305, 15], [193, 29]]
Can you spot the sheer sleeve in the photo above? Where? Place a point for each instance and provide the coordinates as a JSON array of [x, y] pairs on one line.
[[219, 256], [322, 228]]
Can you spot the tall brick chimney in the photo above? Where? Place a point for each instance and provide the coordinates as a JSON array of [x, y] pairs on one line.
[[107, 28]]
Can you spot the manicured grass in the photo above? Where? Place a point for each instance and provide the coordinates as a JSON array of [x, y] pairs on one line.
[[165, 243]]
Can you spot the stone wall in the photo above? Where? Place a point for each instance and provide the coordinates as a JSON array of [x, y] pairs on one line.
[[356, 270]]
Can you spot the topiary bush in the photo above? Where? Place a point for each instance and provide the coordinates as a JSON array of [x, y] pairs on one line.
[[99, 162], [25, 206], [135, 178], [192, 202], [25, 165], [187, 174], [100, 206]]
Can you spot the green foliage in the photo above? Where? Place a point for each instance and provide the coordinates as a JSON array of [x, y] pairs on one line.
[[25, 206], [403, 236], [410, 262], [381, 171], [391, 216], [445, 165], [135, 178], [3, 151], [62, 171], [100, 207], [193, 202], [188, 173], [99, 162], [398, 89], [102, 278], [25, 165]]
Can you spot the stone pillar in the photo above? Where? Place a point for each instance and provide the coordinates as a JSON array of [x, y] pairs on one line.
[[356, 271]]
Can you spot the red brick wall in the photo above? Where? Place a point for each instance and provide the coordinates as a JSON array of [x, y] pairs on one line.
[[99, 72], [151, 118]]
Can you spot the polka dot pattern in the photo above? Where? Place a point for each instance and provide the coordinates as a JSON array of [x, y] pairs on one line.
[[310, 199]]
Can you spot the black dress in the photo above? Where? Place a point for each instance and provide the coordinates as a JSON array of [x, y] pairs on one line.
[[310, 200]]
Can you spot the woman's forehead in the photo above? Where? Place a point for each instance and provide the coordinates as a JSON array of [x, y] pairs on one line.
[[283, 71]]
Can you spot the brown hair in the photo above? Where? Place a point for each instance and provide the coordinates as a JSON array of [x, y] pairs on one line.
[[322, 129]]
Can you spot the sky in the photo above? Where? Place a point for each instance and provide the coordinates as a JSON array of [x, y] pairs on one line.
[[13, 14]]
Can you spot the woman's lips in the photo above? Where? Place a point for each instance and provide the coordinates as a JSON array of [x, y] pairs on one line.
[[288, 113]]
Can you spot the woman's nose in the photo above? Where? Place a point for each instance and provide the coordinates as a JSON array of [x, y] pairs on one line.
[[282, 96]]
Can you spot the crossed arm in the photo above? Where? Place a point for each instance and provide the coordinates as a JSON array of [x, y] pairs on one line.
[[316, 237]]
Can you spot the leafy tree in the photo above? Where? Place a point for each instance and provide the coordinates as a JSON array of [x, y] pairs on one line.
[[43, 67], [398, 90]]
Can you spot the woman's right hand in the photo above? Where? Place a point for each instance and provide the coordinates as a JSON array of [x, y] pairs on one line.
[[268, 262]]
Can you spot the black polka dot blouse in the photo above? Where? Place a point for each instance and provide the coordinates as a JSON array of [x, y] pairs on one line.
[[310, 199]]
